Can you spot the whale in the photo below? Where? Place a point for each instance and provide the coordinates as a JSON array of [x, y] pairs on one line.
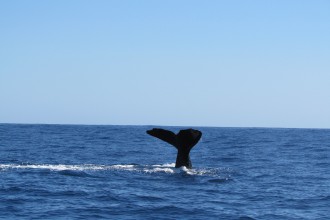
[[183, 141]]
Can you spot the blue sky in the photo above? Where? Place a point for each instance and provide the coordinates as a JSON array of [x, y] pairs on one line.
[[184, 63]]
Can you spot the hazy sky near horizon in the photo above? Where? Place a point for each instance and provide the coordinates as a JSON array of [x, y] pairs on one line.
[[185, 63]]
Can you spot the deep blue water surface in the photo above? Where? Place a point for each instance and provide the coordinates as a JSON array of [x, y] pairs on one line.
[[119, 172]]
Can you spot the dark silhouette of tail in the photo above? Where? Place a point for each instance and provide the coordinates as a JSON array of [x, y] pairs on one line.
[[184, 141]]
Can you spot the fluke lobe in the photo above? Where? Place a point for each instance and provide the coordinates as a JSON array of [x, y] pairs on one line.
[[183, 142]]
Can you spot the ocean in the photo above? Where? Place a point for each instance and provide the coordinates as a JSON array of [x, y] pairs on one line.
[[120, 172]]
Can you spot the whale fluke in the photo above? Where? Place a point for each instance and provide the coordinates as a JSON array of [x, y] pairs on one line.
[[184, 141]]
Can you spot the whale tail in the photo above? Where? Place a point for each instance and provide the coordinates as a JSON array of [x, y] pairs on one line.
[[184, 141]]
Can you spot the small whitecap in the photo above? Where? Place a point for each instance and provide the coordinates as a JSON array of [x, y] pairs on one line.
[[164, 165], [165, 170], [120, 166]]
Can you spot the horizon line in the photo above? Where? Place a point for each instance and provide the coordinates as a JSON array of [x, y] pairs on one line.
[[155, 125]]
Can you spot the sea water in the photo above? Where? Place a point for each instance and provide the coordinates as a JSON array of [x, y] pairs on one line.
[[120, 172]]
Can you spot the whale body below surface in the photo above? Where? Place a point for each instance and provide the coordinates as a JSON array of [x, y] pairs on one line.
[[183, 141]]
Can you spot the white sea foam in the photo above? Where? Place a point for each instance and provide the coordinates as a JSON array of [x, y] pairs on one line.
[[168, 168], [165, 165], [165, 168], [58, 167], [122, 166], [157, 169]]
